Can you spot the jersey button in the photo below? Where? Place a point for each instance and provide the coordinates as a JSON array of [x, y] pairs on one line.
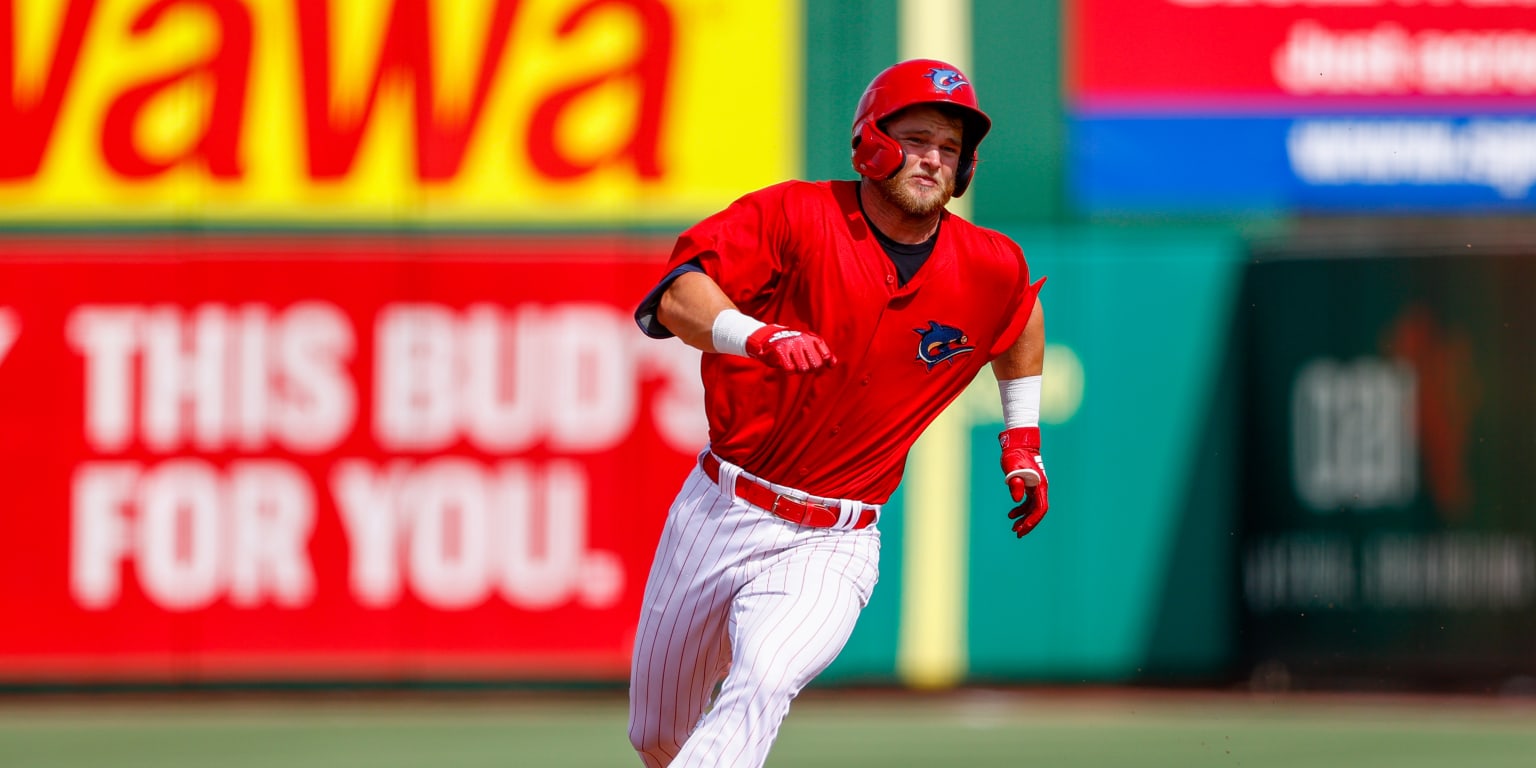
[[890, 279], [865, 382], [805, 471]]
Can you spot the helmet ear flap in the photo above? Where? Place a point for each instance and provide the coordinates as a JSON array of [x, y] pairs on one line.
[[875, 154], [963, 175]]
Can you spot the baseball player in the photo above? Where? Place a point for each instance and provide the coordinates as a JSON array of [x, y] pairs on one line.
[[838, 320]]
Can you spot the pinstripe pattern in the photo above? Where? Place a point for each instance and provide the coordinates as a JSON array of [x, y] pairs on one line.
[[735, 592]]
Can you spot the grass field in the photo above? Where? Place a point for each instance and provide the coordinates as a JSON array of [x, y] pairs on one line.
[[970, 729]]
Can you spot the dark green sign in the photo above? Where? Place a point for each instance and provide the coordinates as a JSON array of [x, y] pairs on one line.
[[1391, 527]]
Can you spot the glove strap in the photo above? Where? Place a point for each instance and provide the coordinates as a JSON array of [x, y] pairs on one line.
[[1020, 437]]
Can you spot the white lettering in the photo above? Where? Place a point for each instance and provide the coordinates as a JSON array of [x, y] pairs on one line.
[[414, 376], [316, 404], [98, 531], [447, 505], [180, 533], [592, 384], [1300, 569], [367, 502], [183, 371], [1386, 59], [545, 570], [251, 381], [108, 338], [567, 376], [1449, 570], [1314, 60], [1500, 154], [192, 533], [677, 404], [1459, 571], [1354, 434], [272, 511], [215, 377], [457, 533], [503, 391]]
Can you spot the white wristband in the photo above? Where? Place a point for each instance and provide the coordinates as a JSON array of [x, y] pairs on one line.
[[731, 330], [1021, 401]]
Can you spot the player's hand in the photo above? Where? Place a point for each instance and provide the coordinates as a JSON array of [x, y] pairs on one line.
[[789, 350], [1025, 473]]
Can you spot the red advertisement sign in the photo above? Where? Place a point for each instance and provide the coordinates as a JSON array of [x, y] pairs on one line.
[[331, 459], [1242, 53]]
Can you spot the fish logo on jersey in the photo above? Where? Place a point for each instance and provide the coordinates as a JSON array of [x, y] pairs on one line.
[[946, 80], [938, 343]]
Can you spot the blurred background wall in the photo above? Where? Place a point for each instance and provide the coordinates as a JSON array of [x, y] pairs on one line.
[[316, 359]]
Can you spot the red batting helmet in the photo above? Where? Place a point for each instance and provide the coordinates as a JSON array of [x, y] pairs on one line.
[[918, 81]]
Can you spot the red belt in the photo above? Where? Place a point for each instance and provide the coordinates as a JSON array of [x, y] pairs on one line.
[[807, 513]]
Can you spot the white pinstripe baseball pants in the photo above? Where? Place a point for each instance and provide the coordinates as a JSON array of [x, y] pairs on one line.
[[735, 589]]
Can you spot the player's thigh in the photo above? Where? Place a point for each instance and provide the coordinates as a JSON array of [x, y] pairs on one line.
[[687, 590], [682, 643], [793, 619], [681, 647]]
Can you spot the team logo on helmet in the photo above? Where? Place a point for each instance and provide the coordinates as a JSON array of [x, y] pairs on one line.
[[946, 80], [938, 343]]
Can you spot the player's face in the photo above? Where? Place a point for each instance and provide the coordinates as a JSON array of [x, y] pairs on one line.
[[931, 140]]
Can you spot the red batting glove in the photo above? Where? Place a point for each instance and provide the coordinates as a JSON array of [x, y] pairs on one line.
[[1025, 473], [789, 350]]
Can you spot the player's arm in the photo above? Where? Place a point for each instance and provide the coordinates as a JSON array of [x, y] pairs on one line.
[[689, 308], [1019, 372], [695, 309], [1026, 357]]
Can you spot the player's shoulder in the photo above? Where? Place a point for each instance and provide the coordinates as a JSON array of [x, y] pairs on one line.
[[802, 202], [797, 192], [989, 240], [794, 188]]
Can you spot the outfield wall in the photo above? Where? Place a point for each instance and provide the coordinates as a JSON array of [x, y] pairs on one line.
[[278, 457], [314, 326], [342, 458]]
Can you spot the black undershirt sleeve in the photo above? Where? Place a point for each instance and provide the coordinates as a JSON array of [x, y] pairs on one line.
[[645, 314]]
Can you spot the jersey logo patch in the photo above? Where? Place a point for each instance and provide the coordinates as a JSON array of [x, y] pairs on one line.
[[938, 343], [946, 80]]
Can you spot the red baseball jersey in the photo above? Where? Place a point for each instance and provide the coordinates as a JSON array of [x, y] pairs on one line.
[[802, 255]]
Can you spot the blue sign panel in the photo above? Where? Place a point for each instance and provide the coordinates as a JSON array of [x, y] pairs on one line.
[[1325, 163]]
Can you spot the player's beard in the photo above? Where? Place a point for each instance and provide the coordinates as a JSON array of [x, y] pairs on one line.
[[917, 200]]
